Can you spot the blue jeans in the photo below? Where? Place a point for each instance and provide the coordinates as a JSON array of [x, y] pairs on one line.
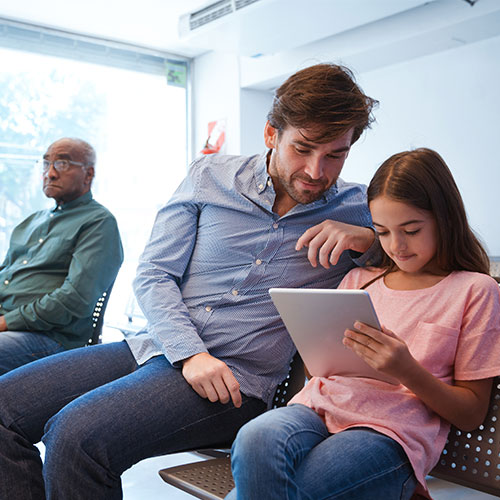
[[288, 453], [98, 414], [20, 348]]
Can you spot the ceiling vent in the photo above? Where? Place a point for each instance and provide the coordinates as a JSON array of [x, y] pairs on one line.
[[263, 27], [194, 20]]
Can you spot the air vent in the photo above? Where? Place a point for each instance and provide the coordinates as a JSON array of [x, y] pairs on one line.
[[215, 11], [239, 4], [210, 13], [249, 27]]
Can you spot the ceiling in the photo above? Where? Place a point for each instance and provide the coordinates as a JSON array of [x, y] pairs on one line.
[[367, 33], [146, 23], [262, 27]]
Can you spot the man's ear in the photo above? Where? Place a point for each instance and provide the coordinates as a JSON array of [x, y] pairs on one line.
[[270, 136], [89, 175]]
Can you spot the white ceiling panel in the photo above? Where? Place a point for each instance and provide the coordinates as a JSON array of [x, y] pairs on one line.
[[261, 27], [257, 27], [147, 23], [265, 27]]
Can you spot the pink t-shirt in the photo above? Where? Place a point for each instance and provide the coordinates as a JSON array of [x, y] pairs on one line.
[[451, 328]]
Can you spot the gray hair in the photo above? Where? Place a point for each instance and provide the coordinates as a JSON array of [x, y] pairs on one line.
[[89, 155]]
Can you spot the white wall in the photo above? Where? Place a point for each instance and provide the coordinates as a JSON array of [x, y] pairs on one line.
[[449, 102], [217, 94], [255, 105], [446, 100]]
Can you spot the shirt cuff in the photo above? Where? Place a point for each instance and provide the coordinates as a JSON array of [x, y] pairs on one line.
[[177, 358], [15, 321], [371, 257]]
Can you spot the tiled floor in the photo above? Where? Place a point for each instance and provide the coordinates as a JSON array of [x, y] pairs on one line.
[[142, 482], [443, 490]]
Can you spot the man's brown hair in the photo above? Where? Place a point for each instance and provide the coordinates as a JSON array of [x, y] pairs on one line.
[[324, 99]]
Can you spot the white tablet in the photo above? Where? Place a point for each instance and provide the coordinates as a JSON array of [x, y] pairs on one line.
[[316, 320]]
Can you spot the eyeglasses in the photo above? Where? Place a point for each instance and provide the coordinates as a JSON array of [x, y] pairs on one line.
[[59, 165]]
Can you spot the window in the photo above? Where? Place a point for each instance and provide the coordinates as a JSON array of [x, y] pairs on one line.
[[119, 101]]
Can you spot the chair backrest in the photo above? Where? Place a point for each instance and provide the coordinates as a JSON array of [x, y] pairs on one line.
[[292, 384], [495, 268], [97, 318], [472, 459]]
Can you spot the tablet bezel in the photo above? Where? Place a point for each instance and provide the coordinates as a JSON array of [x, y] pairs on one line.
[[316, 320]]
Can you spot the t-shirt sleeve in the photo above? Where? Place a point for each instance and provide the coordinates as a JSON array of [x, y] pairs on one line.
[[478, 350]]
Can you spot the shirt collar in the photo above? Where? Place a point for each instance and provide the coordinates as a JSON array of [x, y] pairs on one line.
[[263, 180], [332, 192], [81, 200]]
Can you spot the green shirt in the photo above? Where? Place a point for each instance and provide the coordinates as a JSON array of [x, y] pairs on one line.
[[59, 263]]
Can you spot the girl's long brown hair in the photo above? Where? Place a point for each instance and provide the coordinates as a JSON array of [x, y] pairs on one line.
[[422, 179]]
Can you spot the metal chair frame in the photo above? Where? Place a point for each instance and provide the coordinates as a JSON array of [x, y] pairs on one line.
[[97, 318], [472, 459]]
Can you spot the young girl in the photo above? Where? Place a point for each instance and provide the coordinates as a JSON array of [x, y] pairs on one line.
[[358, 438]]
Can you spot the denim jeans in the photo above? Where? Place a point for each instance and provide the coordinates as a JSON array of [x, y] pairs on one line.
[[19, 348], [288, 453], [99, 413]]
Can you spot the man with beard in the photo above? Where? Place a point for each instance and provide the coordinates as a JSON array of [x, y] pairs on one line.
[[214, 348]]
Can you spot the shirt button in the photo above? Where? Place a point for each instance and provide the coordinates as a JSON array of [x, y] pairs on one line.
[[208, 309], [235, 292], [25, 261], [258, 262], [40, 240], [59, 207], [269, 182], [6, 282], [51, 215], [261, 186], [276, 225]]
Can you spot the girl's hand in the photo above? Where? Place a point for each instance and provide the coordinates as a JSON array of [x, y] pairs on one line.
[[464, 403], [382, 350]]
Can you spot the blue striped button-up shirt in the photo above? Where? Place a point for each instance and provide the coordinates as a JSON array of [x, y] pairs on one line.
[[215, 250]]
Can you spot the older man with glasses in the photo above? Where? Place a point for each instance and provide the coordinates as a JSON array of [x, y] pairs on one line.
[[59, 262]]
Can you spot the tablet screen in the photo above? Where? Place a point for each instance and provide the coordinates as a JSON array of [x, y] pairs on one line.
[[316, 320]]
